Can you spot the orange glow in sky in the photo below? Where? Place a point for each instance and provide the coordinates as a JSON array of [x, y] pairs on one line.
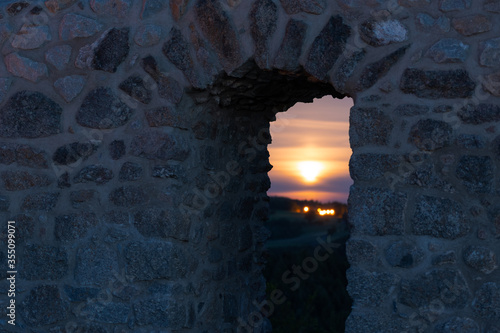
[[310, 151]]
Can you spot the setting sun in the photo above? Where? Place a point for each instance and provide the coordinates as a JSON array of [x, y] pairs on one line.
[[310, 170]]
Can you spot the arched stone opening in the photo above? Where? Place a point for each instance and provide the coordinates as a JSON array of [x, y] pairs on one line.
[[117, 127]]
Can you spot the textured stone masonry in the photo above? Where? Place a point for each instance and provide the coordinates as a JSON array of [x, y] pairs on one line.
[[133, 158]]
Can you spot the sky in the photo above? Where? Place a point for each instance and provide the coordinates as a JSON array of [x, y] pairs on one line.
[[310, 151]]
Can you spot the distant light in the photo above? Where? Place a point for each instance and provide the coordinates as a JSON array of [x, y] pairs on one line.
[[306, 209], [324, 212]]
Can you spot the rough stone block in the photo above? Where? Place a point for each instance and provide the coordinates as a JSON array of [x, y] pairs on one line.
[[43, 262], [453, 5], [160, 313], [127, 196], [43, 306], [376, 211], [428, 24], [411, 109], [158, 260], [458, 324], [379, 33], [263, 18], [70, 86], [130, 171], [291, 47], [40, 201], [218, 29], [472, 24], [369, 126], [96, 265], [160, 223], [29, 114], [437, 84], [158, 145], [378, 69], [117, 149], [74, 226], [166, 116], [315, 7], [31, 37], [22, 180], [81, 294], [486, 302], [361, 251], [431, 134], [480, 258], [376, 322], [94, 173], [448, 50], [476, 173], [71, 153], [148, 35], [369, 288], [367, 167], [25, 68], [77, 26], [439, 217], [108, 313], [112, 8], [479, 113]]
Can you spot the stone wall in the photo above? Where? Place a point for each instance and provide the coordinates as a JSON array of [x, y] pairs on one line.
[[133, 158]]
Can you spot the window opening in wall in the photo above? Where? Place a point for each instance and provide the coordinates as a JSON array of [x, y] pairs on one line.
[[306, 268]]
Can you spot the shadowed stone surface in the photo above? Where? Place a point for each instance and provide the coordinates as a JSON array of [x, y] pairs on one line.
[[74, 226], [291, 47], [218, 29], [136, 88], [457, 324], [327, 47], [376, 70], [70, 153], [30, 114], [96, 265], [152, 260], [486, 302], [445, 285], [404, 254], [430, 134], [43, 262], [43, 306], [101, 108]]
